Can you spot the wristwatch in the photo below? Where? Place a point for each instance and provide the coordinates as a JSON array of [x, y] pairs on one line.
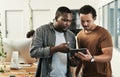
[[92, 59]]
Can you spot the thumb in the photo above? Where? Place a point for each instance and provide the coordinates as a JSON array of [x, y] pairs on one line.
[[88, 52]]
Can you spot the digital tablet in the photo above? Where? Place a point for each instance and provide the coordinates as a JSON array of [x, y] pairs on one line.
[[83, 50]]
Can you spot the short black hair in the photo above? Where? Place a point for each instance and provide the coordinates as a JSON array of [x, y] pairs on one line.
[[30, 33], [61, 10], [86, 9]]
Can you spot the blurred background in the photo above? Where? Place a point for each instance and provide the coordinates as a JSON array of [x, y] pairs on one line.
[[17, 17]]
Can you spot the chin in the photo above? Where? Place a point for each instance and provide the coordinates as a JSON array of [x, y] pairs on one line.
[[64, 30], [86, 28]]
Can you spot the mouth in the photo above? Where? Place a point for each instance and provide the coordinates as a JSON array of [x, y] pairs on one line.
[[64, 30], [86, 27]]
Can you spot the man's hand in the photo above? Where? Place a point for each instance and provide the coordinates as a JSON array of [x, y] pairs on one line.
[[64, 48], [84, 57]]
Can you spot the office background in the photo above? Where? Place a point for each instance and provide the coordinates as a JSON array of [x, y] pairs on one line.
[[17, 17]]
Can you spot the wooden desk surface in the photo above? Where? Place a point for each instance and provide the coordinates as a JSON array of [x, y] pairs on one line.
[[24, 71]]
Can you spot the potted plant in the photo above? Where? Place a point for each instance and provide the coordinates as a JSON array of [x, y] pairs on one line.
[[2, 55]]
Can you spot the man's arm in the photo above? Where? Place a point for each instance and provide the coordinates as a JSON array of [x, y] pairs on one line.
[[106, 56]]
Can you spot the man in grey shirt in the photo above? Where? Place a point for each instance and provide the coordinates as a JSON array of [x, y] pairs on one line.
[[51, 43]]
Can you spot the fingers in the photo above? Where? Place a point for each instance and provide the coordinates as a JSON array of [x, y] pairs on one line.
[[67, 43], [84, 57], [79, 55], [66, 46], [88, 52]]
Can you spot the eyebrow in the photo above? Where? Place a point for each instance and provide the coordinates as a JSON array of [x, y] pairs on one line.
[[66, 20]]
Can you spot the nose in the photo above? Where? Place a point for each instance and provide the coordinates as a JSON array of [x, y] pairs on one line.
[[67, 23], [85, 23]]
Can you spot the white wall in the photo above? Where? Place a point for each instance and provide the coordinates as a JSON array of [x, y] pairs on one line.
[[103, 2], [115, 63], [48, 6]]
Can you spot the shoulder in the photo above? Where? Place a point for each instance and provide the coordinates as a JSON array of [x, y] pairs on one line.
[[100, 28], [104, 33], [80, 32], [70, 33], [45, 27]]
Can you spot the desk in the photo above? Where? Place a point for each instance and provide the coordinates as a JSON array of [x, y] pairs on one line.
[[24, 71]]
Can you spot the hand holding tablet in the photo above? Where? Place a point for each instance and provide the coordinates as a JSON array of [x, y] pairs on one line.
[[83, 50]]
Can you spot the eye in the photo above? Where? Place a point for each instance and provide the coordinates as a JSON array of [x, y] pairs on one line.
[[82, 21], [88, 21], [66, 20]]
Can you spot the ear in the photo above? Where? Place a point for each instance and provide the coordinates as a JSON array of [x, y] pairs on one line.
[[94, 18], [56, 17]]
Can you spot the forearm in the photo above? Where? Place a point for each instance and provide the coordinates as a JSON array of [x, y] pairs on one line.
[[102, 58], [37, 52], [78, 68], [72, 69], [105, 57], [53, 50]]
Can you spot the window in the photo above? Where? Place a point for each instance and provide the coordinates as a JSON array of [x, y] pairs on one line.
[[75, 25]]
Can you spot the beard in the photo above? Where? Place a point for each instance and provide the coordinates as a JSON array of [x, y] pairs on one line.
[[61, 29]]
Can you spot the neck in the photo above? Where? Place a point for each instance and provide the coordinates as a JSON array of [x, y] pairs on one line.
[[90, 30]]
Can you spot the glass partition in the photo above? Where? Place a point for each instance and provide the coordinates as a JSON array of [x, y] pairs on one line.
[[105, 16], [118, 24], [111, 20], [108, 18]]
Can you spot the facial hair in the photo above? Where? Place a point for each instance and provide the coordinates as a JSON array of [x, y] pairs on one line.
[[60, 29]]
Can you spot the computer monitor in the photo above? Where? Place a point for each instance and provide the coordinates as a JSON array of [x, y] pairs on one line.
[[20, 45]]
